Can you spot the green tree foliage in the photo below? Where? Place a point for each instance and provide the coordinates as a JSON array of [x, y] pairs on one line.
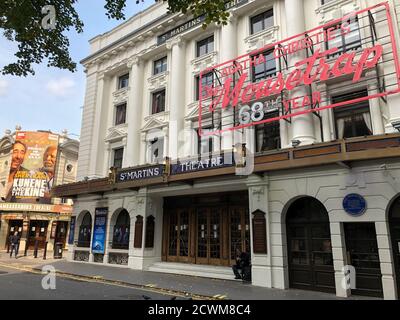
[[21, 22]]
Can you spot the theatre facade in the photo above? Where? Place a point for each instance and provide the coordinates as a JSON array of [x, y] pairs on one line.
[[275, 134]]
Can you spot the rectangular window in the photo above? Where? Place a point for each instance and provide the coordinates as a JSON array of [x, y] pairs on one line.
[[207, 80], [205, 46], [120, 114], [123, 81], [160, 66], [118, 157], [353, 120], [157, 150], [268, 134], [158, 103], [262, 21], [266, 69], [205, 144], [344, 38]]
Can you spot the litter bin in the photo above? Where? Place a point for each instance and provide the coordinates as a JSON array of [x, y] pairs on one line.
[[58, 249]]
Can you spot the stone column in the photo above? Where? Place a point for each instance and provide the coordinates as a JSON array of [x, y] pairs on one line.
[[375, 110], [258, 200], [339, 258], [176, 95], [91, 256], [96, 147], [134, 111], [228, 49], [109, 236], [325, 114], [25, 232], [131, 259], [302, 125], [386, 261]]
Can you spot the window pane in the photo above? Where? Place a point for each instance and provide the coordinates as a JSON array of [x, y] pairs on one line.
[[118, 156], [256, 24], [123, 81], [120, 116], [268, 134], [160, 66], [205, 46], [158, 104], [266, 69]]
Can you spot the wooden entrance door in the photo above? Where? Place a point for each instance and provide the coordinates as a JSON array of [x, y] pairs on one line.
[[38, 232], [61, 232], [209, 236], [178, 235], [363, 255], [239, 231], [309, 246]]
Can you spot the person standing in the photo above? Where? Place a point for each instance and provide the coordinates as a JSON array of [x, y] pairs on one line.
[[14, 242]]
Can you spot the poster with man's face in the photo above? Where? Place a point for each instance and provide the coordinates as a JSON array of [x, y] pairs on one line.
[[32, 167]]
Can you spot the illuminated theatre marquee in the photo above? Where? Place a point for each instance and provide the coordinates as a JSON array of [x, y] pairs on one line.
[[302, 63]]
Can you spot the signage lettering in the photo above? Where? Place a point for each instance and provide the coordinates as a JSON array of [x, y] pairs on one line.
[[194, 22], [140, 173], [305, 61], [199, 165]]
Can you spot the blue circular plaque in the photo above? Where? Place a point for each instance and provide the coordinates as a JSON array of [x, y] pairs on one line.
[[354, 204]]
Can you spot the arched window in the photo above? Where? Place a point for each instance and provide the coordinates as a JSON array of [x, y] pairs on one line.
[[121, 231], [85, 231]]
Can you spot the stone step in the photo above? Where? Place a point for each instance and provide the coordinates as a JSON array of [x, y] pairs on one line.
[[205, 271]]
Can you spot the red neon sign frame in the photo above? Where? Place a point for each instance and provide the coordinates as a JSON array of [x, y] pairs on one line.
[[223, 92]]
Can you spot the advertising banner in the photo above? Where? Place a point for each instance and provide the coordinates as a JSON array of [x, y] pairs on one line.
[[99, 234], [32, 168]]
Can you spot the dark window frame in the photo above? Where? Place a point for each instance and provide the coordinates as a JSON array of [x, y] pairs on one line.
[[86, 226], [210, 142], [263, 16], [118, 118], [355, 45], [266, 72], [117, 161], [157, 105], [268, 127], [208, 43], [163, 67], [123, 226], [207, 82], [123, 81], [352, 112]]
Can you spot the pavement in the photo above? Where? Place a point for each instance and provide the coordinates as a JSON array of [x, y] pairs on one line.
[[162, 283]]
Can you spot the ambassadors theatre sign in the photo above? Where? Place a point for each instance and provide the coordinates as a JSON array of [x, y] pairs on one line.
[[357, 49]]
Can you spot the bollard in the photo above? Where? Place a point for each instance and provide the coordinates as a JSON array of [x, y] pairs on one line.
[[45, 250], [26, 248], [8, 247], [35, 252]]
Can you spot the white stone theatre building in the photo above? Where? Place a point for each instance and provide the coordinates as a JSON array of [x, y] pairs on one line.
[[277, 134]]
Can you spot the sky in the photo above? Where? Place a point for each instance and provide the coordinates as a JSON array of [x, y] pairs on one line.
[[52, 99]]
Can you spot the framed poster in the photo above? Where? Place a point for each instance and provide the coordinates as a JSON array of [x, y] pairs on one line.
[[99, 233], [53, 230], [71, 231]]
